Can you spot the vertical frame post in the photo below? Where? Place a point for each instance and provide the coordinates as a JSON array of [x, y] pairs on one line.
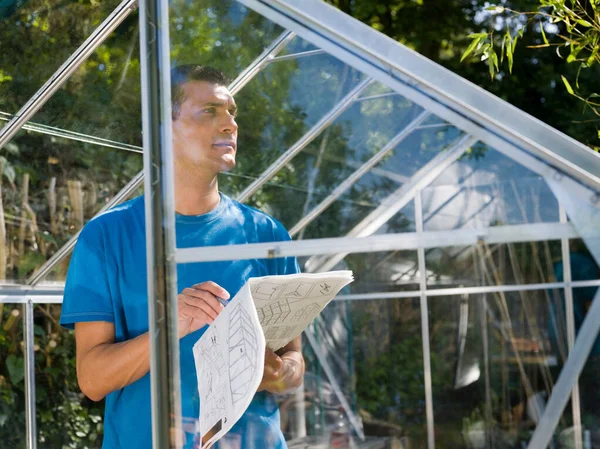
[[425, 327], [160, 223], [28, 338]]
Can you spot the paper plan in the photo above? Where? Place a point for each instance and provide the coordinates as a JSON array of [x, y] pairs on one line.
[[229, 361], [229, 357], [285, 305]]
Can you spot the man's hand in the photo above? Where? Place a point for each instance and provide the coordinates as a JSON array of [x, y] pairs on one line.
[[282, 374], [198, 306]]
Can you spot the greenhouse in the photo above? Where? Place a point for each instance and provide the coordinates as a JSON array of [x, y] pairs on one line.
[[471, 227]]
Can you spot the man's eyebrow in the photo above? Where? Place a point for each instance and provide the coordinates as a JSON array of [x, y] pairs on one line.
[[219, 105]]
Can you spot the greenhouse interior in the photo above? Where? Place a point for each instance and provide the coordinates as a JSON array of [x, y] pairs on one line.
[[472, 228]]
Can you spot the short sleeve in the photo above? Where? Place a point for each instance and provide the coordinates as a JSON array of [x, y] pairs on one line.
[[87, 291], [285, 265]]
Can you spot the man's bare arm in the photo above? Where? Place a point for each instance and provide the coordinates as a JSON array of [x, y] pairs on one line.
[[104, 366]]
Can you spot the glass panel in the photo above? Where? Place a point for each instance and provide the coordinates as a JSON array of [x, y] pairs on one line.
[[500, 264], [388, 362], [362, 131], [588, 381], [392, 271], [51, 187], [418, 149], [12, 385], [37, 37], [492, 366], [65, 417], [485, 188]]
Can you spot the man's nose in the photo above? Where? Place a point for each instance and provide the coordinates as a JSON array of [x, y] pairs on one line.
[[229, 125]]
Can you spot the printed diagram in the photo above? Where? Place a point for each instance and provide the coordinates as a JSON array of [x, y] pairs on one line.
[[213, 372], [214, 409], [297, 290], [307, 312], [273, 313], [267, 291], [242, 352], [322, 289], [279, 332]]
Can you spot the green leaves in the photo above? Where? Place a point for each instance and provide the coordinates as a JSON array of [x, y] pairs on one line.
[[477, 38], [567, 85], [16, 368]]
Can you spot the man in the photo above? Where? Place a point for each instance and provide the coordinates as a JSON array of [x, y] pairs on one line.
[[106, 300]]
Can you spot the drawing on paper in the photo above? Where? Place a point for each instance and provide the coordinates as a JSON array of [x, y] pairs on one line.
[[306, 313], [242, 352], [273, 313], [322, 289], [279, 332], [297, 290], [267, 291], [214, 409]]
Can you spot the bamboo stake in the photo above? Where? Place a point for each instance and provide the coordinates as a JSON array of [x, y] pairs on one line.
[[52, 207], [76, 197], [23, 224], [2, 230]]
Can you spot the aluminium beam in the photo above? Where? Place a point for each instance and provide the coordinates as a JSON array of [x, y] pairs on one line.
[[55, 296], [397, 200], [294, 56], [356, 175], [65, 250], [570, 319], [159, 208], [90, 45], [307, 138], [29, 366], [261, 61], [425, 340], [73, 135], [568, 377], [380, 243]]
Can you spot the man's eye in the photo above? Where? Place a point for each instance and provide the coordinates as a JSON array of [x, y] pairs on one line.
[[209, 110]]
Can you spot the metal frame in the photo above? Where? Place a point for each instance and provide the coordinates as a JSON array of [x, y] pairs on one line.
[[428, 84], [307, 138], [570, 319], [478, 113], [355, 176], [66, 70], [424, 308]]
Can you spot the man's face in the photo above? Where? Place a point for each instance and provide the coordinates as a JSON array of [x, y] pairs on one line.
[[205, 132]]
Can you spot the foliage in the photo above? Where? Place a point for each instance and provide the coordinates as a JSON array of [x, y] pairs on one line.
[[574, 30]]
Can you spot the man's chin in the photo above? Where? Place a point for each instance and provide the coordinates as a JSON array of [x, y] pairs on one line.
[[227, 164]]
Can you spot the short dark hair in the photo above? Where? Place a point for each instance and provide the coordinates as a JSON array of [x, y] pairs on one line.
[[191, 72]]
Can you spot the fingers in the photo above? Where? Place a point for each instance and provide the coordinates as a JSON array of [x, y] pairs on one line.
[[272, 360], [213, 288], [201, 312], [196, 298]]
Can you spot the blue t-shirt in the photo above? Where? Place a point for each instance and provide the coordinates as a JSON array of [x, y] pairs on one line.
[[107, 281]]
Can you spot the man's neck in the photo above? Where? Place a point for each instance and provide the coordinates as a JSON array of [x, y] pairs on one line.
[[196, 197]]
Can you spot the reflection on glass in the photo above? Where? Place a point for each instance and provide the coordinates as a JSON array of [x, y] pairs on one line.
[[374, 348], [388, 360], [588, 380], [497, 264], [493, 367], [485, 188], [383, 272]]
